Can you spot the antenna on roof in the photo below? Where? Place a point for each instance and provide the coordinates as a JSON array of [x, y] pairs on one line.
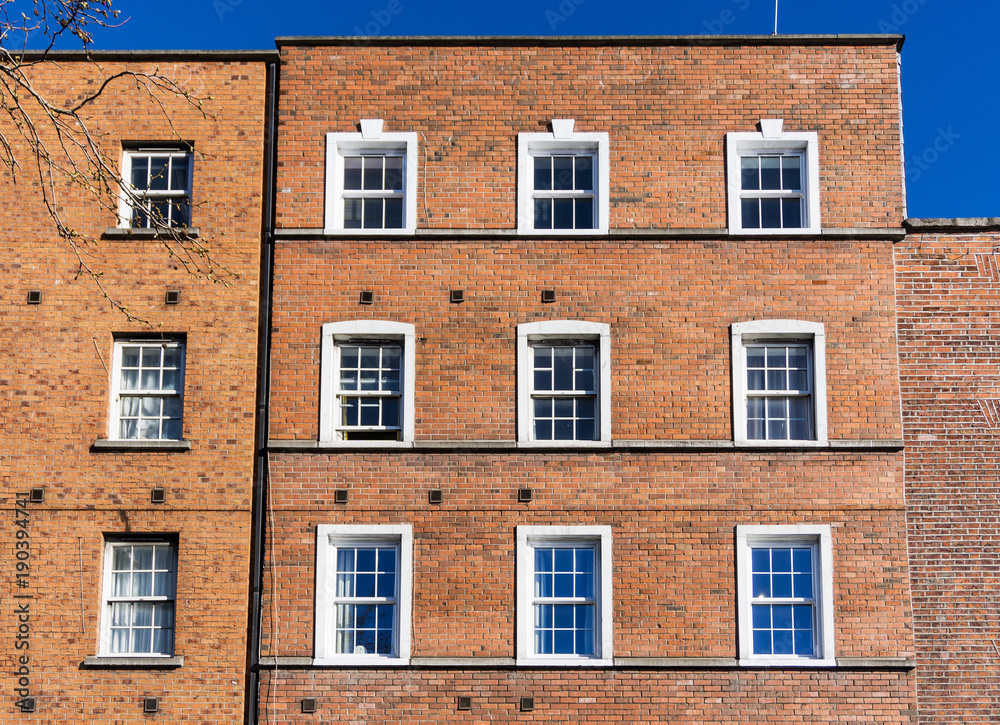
[[775, 18]]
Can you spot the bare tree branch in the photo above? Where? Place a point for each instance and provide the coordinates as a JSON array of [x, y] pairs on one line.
[[56, 140]]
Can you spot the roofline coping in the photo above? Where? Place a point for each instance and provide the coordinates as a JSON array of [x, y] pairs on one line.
[[593, 40], [971, 224], [147, 55]]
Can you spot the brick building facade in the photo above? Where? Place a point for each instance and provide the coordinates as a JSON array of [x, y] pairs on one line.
[[584, 390], [128, 448], [946, 290]]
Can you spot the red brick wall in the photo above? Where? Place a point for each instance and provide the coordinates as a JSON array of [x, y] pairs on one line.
[[54, 404], [669, 304], [666, 109], [949, 357]]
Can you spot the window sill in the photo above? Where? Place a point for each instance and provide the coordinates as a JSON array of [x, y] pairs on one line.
[[361, 662], [650, 445], [115, 445], [788, 662], [562, 232], [153, 233], [564, 444], [781, 444], [563, 662], [369, 232], [132, 663]]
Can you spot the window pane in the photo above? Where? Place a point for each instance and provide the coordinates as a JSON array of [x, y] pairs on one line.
[[777, 430], [350, 411], [386, 585], [373, 173], [562, 214], [791, 213], [373, 213], [365, 560], [804, 643], [151, 406], [562, 362], [563, 407], [760, 560], [802, 585], [543, 173], [755, 380], [172, 407], [750, 213], [543, 213], [394, 213], [562, 173], [543, 430], [129, 429], [543, 407], [585, 214], [150, 380], [761, 616], [543, 559], [781, 585], [761, 585], [585, 407], [562, 559], [179, 173], [352, 213], [352, 173], [783, 642], [802, 560], [142, 641], [781, 560], [586, 430], [762, 642], [770, 173], [562, 430], [770, 213], [563, 586], [394, 173], [543, 380], [364, 585], [749, 175], [140, 172], [791, 173], [163, 641], [159, 175], [584, 173], [390, 411]]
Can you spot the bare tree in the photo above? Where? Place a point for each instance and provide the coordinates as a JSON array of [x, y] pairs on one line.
[[54, 145]]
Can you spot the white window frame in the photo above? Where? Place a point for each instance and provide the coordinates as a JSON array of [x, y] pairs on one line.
[[791, 331], [554, 331], [114, 419], [108, 598], [772, 140], [562, 140], [372, 141], [129, 195], [327, 539], [336, 332], [527, 538], [819, 537]]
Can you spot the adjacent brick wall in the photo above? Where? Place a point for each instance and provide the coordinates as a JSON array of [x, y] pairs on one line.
[[949, 357], [54, 403]]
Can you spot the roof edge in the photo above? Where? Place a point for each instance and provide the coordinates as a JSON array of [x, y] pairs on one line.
[[958, 225], [593, 40], [148, 55]]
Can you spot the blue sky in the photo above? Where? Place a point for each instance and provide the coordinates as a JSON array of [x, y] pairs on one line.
[[951, 75]]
